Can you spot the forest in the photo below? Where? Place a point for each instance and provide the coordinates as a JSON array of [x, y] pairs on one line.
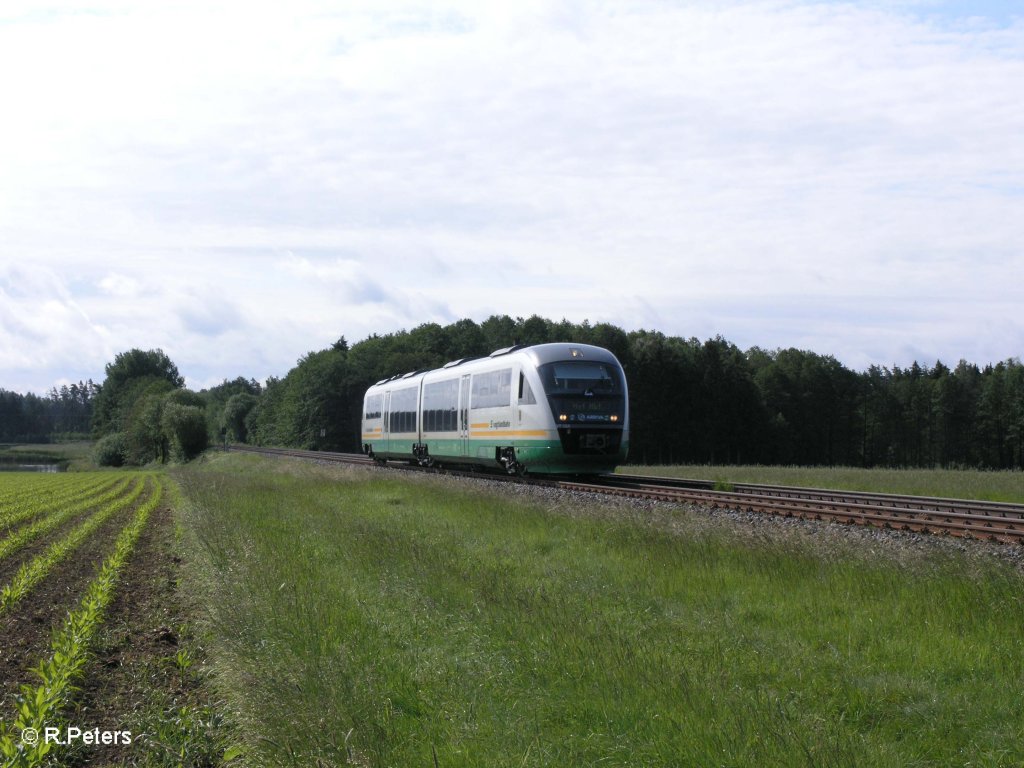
[[63, 414], [691, 401]]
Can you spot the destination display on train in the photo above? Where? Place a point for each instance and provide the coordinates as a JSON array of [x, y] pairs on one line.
[[590, 405]]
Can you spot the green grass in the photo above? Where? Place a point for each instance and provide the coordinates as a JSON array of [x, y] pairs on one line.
[[950, 483], [388, 622]]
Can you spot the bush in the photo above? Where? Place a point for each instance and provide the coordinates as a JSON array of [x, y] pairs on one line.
[[111, 451], [146, 441], [233, 420], [185, 429]]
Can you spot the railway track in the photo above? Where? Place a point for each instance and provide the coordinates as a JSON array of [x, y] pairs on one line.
[[955, 517]]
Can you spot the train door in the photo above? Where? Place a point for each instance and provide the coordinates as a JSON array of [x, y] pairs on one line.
[[386, 426], [464, 415], [517, 413]]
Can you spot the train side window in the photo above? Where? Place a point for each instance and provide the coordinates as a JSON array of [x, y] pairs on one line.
[[525, 391], [492, 389], [440, 401], [374, 404], [403, 410]]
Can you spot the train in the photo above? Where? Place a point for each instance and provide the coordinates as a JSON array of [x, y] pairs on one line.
[[544, 409]]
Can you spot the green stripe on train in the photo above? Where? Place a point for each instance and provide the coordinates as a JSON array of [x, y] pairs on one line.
[[540, 455]]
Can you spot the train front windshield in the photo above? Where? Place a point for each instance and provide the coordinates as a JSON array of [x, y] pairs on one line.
[[585, 392], [581, 377]]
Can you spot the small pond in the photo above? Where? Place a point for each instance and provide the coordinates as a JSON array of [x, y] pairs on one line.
[[31, 463]]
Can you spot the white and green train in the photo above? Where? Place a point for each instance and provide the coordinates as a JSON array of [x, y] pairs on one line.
[[548, 408]]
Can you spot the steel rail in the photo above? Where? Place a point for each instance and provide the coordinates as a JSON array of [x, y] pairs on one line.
[[887, 511], [867, 497]]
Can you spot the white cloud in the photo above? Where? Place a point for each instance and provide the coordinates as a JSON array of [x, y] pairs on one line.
[[43, 328], [245, 183], [119, 285]]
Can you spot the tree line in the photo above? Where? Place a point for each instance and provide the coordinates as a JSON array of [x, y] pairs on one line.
[[691, 401], [62, 414]]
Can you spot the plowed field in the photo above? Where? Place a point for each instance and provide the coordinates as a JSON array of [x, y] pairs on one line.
[[87, 633]]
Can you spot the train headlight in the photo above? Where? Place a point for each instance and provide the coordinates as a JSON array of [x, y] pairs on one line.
[[563, 417], [615, 417]]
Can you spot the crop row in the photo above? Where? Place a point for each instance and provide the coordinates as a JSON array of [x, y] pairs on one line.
[[39, 706], [43, 497], [21, 485], [47, 486], [15, 483], [33, 571], [44, 522]]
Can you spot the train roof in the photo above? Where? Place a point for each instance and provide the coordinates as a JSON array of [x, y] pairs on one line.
[[536, 355], [550, 353]]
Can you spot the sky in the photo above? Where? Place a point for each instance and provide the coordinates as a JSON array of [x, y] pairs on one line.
[[240, 183]]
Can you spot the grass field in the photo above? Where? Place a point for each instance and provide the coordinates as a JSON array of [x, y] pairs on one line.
[[958, 484], [355, 617]]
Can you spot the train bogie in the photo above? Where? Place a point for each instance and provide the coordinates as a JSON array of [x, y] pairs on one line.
[[549, 408]]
